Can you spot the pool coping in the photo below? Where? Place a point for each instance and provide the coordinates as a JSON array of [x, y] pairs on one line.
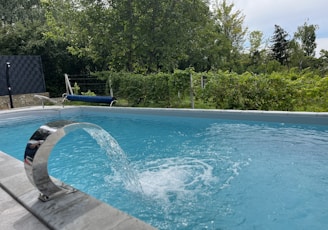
[[21, 209], [315, 118]]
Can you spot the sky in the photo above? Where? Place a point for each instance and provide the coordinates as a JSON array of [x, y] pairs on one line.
[[262, 15]]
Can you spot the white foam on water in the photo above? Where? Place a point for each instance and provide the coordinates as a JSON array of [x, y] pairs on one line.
[[176, 177]]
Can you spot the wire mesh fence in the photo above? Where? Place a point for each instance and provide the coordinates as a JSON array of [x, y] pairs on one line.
[[82, 84]]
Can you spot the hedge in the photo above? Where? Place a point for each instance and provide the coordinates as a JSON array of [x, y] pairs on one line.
[[283, 91]]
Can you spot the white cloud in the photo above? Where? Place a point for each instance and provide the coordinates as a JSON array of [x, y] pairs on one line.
[[262, 15]]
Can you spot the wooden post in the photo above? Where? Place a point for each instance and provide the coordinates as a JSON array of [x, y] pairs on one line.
[[191, 93]]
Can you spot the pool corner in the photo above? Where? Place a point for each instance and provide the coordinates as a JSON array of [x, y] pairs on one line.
[[21, 209]]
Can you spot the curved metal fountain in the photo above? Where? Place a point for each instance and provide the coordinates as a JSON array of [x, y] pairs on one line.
[[37, 153]]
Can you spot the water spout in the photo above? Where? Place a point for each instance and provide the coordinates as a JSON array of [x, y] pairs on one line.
[[44, 139]]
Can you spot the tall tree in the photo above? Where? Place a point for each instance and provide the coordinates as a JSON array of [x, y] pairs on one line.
[[255, 53], [280, 45], [306, 36], [202, 43], [255, 40], [136, 36], [230, 24], [297, 55], [84, 26], [22, 24], [12, 11]]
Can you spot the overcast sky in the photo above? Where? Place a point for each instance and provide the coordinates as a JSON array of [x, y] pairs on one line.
[[262, 15]]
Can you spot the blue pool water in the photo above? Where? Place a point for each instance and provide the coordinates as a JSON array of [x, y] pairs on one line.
[[190, 173]]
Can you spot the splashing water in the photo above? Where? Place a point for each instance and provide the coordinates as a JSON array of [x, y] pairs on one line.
[[118, 159], [169, 186], [165, 179]]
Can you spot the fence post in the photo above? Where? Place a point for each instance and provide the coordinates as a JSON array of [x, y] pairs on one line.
[[191, 93], [8, 85]]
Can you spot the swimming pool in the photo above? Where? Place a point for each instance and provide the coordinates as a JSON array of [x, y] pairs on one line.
[[201, 171]]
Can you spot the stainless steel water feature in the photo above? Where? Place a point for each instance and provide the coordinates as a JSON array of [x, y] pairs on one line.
[[37, 153]]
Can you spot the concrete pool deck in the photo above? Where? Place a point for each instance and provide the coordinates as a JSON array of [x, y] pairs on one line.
[[20, 207]]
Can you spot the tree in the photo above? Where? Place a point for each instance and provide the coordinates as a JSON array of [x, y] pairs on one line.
[[306, 36], [22, 24], [280, 46], [302, 47], [12, 11], [230, 24], [323, 59], [203, 45], [164, 33], [297, 55], [255, 40], [141, 36]]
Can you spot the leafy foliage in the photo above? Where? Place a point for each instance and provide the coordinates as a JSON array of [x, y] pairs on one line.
[[306, 35], [146, 51], [287, 91]]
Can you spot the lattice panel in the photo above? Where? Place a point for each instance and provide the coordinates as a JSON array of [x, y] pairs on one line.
[[25, 75]]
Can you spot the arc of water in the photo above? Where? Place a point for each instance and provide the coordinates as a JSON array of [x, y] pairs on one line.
[[38, 150], [118, 159]]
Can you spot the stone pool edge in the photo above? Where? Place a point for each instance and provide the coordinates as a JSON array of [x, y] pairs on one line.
[[22, 209], [292, 117]]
